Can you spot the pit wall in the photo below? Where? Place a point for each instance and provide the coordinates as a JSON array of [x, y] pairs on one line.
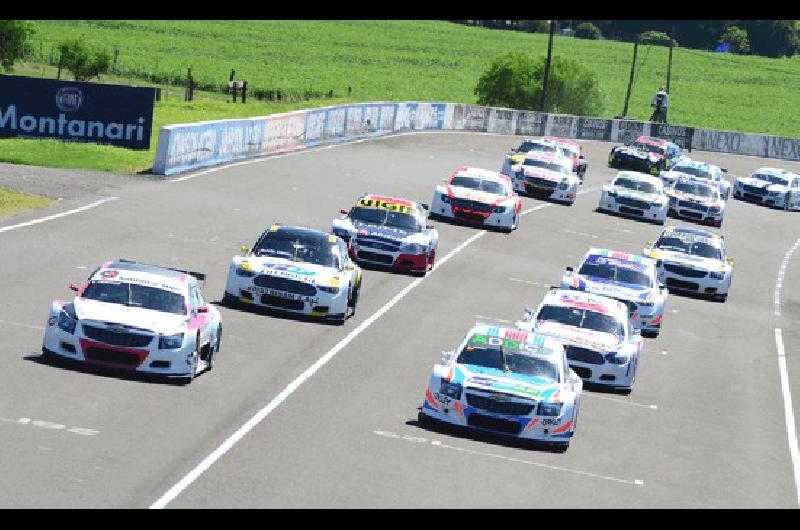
[[188, 146]]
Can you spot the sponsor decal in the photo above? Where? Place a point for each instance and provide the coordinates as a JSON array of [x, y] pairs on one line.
[[69, 99], [109, 274], [383, 203], [289, 269]]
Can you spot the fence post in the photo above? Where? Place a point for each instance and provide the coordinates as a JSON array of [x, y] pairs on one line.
[[60, 61], [116, 56], [244, 91]]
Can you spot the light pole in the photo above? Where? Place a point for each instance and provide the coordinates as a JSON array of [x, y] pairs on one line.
[[547, 65]]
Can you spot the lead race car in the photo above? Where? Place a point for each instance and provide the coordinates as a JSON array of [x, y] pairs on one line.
[[602, 347], [692, 260], [696, 199], [774, 187], [647, 154], [546, 176], [516, 155], [635, 195], [572, 150], [296, 270], [714, 175], [389, 232], [138, 317], [478, 197], [508, 382], [631, 279]]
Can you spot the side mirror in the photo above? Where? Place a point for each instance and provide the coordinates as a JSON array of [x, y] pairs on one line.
[[202, 309], [444, 179], [724, 170], [730, 261], [343, 211], [244, 250], [427, 207], [73, 287], [649, 244], [349, 267], [570, 269], [446, 356]]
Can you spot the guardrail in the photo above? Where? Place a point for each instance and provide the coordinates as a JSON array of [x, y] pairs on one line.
[[189, 146]]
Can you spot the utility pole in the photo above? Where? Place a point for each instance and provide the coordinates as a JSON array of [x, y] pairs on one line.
[[669, 67], [630, 81], [547, 65]]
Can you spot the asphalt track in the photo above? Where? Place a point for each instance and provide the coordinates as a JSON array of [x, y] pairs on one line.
[[704, 426]]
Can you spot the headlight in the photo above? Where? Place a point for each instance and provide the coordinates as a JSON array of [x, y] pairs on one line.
[[170, 342], [613, 358], [412, 248], [344, 234], [612, 193], [451, 390], [715, 209], [445, 198], [329, 290], [717, 275], [67, 323], [549, 409], [499, 209]]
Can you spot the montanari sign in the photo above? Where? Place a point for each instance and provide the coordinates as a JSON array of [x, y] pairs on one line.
[[73, 111]]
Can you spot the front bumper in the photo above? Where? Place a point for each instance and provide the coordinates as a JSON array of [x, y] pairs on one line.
[[467, 216], [392, 259], [638, 209], [776, 201], [699, 213], [544, 191], [321, 304], [694, 283], [635, 164]]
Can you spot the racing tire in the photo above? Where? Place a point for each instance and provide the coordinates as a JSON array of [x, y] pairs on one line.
[[650, 334], [187, 380], [720, 298], [625, 391], [219, 339], [48, 357], [424, 420], [230, 301], [786, 203], [559, 447], [352, 300]]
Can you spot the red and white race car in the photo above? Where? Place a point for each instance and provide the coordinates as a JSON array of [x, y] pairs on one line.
[[478, 196], [546, 176], [573, 151]]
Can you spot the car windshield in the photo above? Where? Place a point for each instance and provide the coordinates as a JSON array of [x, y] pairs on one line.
[[405, 221], [693, 248], [777, 179], [550, 166], [636, 185], [581, 318], [616, 274], [296, 247], [527, 147], [693, 170], [515, 362], [695, 188], [647, 147], [473, 183], [134, 295]]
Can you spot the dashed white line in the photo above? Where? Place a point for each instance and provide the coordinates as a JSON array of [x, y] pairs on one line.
[[593, 395], [58, 215], [482, 317], [788, 410], [776, 297], [537, 284]]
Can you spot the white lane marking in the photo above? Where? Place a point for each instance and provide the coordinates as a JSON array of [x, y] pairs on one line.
[[621, 401], [440, 445], [215, 455], [21, 325], [776, 297], [482, 317], [58, 215], [663, 352], [573, 232], [52, 426], [673, 311], [537, 284], [788, 410]]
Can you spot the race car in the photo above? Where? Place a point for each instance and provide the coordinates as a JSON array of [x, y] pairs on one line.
[[478, 197], [602, 347], [546, 176], [389, 232], [296, 270], [572, 150], [697, 199], [646, 154], [508, 382], [631, 279], [515, 156], [771, 186], [137, 317], [692, 168], [692, 260], [636, 195]]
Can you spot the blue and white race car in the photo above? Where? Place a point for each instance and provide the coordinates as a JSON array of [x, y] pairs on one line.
[[635, 195], [508, 382], [602, 346], [715, 175], [517, 155], [696, 199], [770, 186], [631, 279]]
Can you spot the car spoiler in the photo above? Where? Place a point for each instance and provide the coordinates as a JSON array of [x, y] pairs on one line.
[[199, 276]]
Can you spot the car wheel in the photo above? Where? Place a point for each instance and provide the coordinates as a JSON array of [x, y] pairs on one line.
[[47, 356], [721, 298], [786, 204], [559, 447], [187, 380], [219, 339], [228, 300], [424, 420]]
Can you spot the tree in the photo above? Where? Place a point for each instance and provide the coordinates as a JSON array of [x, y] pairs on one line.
[[514, 80], [587, 30], [656, 38], [13, 35], [83, 64], [773, 38], [736, 37]]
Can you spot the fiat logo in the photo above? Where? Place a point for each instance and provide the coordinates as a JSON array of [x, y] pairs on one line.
[[69, 99]]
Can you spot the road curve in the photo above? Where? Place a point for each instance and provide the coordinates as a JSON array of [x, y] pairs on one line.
[[705, 425]]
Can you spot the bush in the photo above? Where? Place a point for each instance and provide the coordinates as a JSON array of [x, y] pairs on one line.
[[84, 65], [773, 38], [587, 30], [736, 37], [656, 38], [534, 26], [514, 80], [13, 35]]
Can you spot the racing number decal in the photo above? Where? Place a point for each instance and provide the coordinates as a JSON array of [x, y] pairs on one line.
[[386, 205]]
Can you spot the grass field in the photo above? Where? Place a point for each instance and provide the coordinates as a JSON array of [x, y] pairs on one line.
[[13, 201], [399, 60]]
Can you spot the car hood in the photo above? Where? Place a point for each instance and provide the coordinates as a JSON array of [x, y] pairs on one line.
[[612, 289], [758, 183], [475, 195], [539, 172], [696, 262], [684, 196], [157, 321], [635, 194], [492, 379], [387, 233], [585, 338], [631, 151], [299, 271]]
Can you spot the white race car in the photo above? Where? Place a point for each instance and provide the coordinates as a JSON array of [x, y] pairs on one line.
[[546, 176], [137, 317], [572, 150], [636, 195], [296, 270], [692, 168], [770, 186], [515, 156], [692, 260], [508, 382], [602, 346], [389, 232], [696, 199], [479, 197], [631, 279]]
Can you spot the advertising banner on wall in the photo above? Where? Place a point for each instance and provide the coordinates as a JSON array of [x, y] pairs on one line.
[[77, 112]]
